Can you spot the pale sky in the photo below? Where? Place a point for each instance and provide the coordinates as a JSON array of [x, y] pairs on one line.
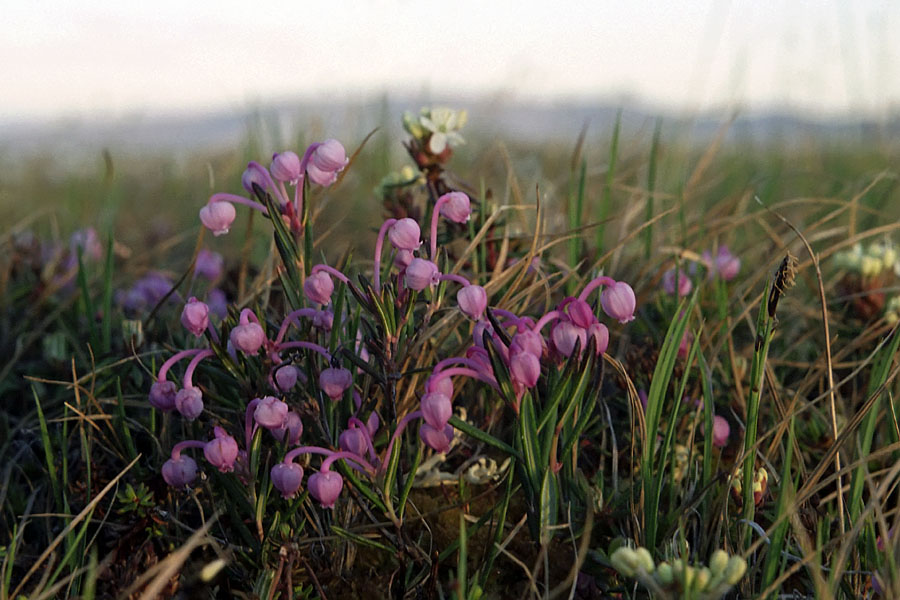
[[86, 58]]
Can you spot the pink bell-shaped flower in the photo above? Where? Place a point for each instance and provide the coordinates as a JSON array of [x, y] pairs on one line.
[[189, 402], [162, 395], [581, 314], [472, 301], [727, 264], [456, 207], [270, 413], [601, 337], [618, 301], [405, 234], [564, 336], [286, 377], [287, 478], [444, 385], [525, 368], [195, 316], [248, 336], [421, 273], [329, 156], [372, 423], [436, 439], [403, 258], [179, 472], [353, 440], [318, 287], [285, 167], [334, 382], [222, 451], [320, 177], [325, 487], [721, 431], [684, 283], [218, 217], [254, 173], [436, 409], [527, 341], [209, 264], [323, 319]]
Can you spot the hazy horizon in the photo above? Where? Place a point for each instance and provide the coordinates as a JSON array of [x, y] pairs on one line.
[[112, 61]]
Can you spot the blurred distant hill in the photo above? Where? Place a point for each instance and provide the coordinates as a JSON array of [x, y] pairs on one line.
[[278, 125]]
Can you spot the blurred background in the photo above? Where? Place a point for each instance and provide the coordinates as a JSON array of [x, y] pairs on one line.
[[166, 101]]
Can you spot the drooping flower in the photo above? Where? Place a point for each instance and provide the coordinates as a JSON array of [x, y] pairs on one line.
[[405, 234], [222, 451], [287, 478], [318, 287], [218, 217], [329, 156], [524, 367], [436, 409], [565, 334], [421, 273], [353, 440], [456, 207], [286, 377], [727, 264], [436, 439], [335, 381], [285, 167], [472, 301], [195, 316], [679, 277], [721, 431], [618, 301], [189, 402], [325, 487], [248, 336], [270, 413], [209, 264], [179, 472], [162, 395]]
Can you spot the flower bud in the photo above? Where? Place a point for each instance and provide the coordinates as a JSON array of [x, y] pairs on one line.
[[162, 395], [600, 333], [456, 207], [405, 234], [580, 313], [325, 487], [179, 472], [195, 316], [286, 377], [318, 287], [727, 264], [403, 258], [736, 568], [436, 409], [285, 166], [334, 382], [618, 302], [372, 423], [218, 217], [565, 334], [323, 319], [525, 368], [721, 430], [421, 273], [443, 385], [270, 413], [625, 561], [527, 341], [222, 451], [329, 156], [353, 440], [248, 336], [254, 173], [683, 281], [645, 561], [287, 478], [209, 264], [294, 428], [320, 177], [472, 301], [436, 439], [189, 402], [664, 574]]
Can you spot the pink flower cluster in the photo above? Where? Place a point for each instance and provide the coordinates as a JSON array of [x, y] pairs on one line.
[[725, 264], [321, 163]]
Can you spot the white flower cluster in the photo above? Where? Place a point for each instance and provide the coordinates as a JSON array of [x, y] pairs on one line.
[[690, 581], [877, 258], [438, 127]]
